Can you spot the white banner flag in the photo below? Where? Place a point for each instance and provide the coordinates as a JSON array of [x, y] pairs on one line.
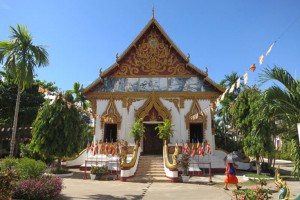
[[298, 125]]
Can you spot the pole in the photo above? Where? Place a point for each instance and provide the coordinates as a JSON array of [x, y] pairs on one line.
[[298, 125]]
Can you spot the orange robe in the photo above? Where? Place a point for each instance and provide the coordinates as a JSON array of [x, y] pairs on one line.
[[230, 177]]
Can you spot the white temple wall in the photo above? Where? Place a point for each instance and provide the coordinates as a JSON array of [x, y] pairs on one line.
[[130, 120], [101, 107]]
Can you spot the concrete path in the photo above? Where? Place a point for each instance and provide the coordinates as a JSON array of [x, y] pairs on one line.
[[197, 188]]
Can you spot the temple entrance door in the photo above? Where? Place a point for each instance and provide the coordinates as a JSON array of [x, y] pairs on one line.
[[196, 132], [152, 144], [110, 133]]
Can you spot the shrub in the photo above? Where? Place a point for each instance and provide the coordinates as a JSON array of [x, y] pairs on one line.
[[8, 163], [255, 193], [28, 168], [8, 180], [45, 187], [99, 171]]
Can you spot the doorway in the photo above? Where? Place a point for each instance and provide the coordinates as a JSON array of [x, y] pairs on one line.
[[110, 133], [152, 144], [196, 133]]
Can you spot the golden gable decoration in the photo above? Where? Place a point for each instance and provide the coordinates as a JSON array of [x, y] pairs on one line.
[[111, 115], [195, 110], [152, 55], [153, 108]]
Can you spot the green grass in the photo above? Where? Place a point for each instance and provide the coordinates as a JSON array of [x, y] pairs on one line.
[[252, 175]]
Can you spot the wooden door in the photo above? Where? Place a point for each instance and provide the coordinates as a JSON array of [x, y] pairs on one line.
[[152, 144]]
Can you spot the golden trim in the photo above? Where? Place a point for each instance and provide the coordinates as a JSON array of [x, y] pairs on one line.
[[153, 101], [111, 115], [130, 101], [140, 95], [175, 101], [195, 109]]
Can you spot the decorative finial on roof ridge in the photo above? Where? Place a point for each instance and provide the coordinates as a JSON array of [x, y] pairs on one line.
[[153, 11]]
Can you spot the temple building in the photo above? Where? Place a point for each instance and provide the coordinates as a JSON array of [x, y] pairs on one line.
[[153, 80]]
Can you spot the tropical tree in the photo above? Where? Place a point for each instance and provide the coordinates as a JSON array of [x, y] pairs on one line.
[[57, 130], [225, 111], [254, 120], [285, 102], [20, 57], [80, 98]]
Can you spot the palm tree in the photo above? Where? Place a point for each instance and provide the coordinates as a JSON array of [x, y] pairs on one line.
[[286, 105], [79, 97], [285, 101], [226, 111], [20, 57]]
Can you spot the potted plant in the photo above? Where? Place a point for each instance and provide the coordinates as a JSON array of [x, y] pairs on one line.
[[165, 130], [98, 171], [137, 130], [184, 163]]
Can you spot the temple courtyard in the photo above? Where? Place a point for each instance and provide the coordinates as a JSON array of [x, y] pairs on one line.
[[76, 187]]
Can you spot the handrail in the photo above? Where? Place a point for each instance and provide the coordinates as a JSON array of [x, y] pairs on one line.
[[123, 157], [174, 165], [75, 156]]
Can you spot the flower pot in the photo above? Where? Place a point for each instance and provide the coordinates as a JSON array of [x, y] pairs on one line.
[[93, 176], [185, 179]]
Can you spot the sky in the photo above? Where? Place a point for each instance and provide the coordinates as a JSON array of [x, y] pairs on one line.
[[83, 36]]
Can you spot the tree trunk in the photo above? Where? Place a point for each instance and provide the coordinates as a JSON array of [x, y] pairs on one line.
[[15, 124], [258, 169], [58, 164]]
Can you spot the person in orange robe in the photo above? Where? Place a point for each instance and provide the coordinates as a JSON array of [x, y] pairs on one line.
[[231, 176]]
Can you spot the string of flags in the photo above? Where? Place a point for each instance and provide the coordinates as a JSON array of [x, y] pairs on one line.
[[237, 84], [56, 96], [201, 149]]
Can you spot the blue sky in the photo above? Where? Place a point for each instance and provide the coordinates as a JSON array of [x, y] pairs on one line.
[[83, 36]]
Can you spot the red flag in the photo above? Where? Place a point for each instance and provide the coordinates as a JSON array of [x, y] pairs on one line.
[[252, 68], [193, 151]]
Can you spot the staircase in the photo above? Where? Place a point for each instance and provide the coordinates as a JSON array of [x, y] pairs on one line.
[[150, 169]]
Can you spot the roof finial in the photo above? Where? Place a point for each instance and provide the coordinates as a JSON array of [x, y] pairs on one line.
[[153, 11]]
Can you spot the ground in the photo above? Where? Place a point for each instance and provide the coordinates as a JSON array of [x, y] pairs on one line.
[[198, 188]]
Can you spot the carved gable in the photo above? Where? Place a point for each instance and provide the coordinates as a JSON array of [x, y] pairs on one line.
[[152, 55]]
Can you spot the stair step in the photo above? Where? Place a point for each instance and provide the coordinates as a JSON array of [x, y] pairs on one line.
[[150, 169]]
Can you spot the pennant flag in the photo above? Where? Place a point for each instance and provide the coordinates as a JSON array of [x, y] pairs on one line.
[[238, 83], [193, 151], [218, 102], [252, 68], [245, 78], [41, 89], [208, 149], [270, 48], [261, 59], [232, 88]]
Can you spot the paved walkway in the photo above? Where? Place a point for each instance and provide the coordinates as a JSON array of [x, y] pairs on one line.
[[197, 188]]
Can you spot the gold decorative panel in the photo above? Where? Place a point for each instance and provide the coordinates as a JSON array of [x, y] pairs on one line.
[[152, 55], [111, 115], [153, 108], [195, 110], [175, 101]]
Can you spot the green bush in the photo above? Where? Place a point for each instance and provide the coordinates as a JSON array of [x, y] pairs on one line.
[[8, 181], [28, 168], [8, 163]]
